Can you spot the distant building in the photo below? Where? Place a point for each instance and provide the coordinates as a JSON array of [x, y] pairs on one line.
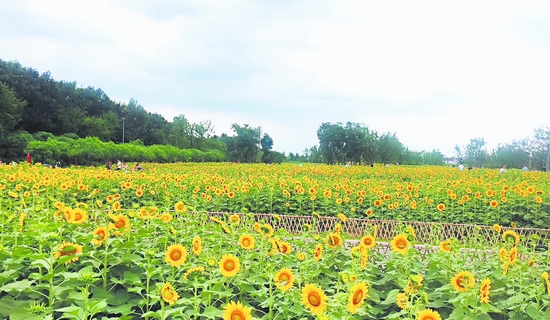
[[451, 161]]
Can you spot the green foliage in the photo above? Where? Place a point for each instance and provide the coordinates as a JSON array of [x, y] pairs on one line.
[[93, 151], [12, 110]]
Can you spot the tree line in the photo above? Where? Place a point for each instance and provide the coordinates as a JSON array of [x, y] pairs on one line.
[[36, 109]]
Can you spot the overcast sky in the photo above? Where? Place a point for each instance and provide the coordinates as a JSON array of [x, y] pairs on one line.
[[435, 73]]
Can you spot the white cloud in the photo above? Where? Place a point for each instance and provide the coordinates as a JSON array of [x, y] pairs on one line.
[[435, 73]]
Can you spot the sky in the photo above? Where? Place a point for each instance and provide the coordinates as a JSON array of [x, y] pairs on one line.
[[435, 73]]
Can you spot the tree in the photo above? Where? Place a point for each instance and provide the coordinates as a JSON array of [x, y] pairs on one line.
[[266, 143], [512, 155], [475, 152], [11, 108], [244, 146], [390, 149], [332, 139], [539, 148]]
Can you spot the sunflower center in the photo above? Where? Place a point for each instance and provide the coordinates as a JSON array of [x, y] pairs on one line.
[[66, 252], [101, 234], [168, 294], [78, 216], [314, 299], [401, 244], [246, 242], [175, 255], [119, 224], [237, 315], [358, 296], [229, 265], [284, 277]]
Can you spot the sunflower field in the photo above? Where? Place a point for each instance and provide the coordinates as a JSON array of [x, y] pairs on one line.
[[182, 241]]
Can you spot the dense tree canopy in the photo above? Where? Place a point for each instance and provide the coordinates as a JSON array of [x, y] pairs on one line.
[[35, 107]]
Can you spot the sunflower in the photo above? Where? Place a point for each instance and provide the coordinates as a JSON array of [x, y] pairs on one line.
[[139, 192], [357, 296], [100, 234], [236, 311], [314, 299], [484, 290], [257, 227], [116, 206], [505, 267], [267, 230], [168, 293], [513, 256], [229, 265], [22, 218], [411, 232], [176, 255], [284, 279], [493, 203], [342, 217], [247, 242], [510, 236], [402, 301], [462, 281], [284, 247], [166, 217], [180, 207], [503, 254], [318, 253], [428, 314], [120, 222], [334, 240], [441, 207], [497, 228], [446, 246], [234, 219], [198, 270], [414, 283], [369, 212], [368, 241], [78, 216], [301, 256], [197, 245], [68, 249], [400, 244]]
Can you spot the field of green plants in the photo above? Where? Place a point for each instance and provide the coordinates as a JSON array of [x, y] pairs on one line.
[[89, 243]]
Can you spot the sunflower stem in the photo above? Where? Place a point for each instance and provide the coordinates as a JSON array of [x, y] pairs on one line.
[[105, 259], [195, 296]]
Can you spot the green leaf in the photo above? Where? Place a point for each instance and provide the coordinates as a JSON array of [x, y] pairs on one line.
[[42, 262], [391, 298], [131, 278], [18, 286], [212, 312], [533, 311], [72, 309], [97, 306]]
